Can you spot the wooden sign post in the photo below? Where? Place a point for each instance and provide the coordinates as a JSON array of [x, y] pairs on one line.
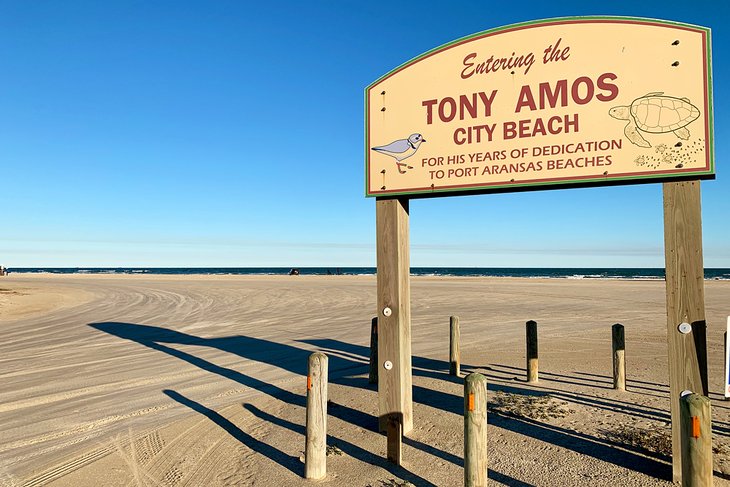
[[686, 327], [394, 314]]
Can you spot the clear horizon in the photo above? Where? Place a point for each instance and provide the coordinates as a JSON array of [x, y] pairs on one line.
[[200, 134], [353, 267]]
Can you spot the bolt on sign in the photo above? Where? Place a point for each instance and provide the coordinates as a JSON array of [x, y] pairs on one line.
[[580, 100]]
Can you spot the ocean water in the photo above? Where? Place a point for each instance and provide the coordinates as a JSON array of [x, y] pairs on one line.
[[526, 272]]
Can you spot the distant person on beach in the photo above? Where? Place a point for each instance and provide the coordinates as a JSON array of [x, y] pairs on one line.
[[3, 271]]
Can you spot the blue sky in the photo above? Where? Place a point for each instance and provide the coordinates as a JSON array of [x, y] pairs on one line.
[[230, 133]]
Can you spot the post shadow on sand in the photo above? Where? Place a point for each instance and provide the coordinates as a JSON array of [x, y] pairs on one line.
[[428, 364], [295, 359], [347, 447], [422, 365], [665, 387], [597, 382], [427, 367], [158, 338], [286, 461], [251, 348], [368, 457], [511, 373]]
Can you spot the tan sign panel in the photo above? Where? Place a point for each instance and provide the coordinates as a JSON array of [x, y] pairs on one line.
[[586, 100]]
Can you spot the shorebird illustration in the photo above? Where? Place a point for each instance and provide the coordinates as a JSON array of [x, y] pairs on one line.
[[402, 149]]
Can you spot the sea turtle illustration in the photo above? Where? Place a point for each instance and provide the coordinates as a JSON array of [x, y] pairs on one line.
[[656, 113]]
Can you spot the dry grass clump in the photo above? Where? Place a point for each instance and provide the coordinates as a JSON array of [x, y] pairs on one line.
[[532, 407], [392, 483], [654, 440], [658, 441], [333, 450]]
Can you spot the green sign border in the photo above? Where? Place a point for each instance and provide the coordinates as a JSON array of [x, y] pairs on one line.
[[562, 184]]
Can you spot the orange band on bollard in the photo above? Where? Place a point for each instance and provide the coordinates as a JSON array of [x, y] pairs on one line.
[[695, 427], [309, 382], [470, 406]]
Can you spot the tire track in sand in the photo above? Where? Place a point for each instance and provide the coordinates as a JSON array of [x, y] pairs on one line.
[[147, 443], [205, 453]]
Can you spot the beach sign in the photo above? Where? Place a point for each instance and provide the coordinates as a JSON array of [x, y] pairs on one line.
[[547, 103]]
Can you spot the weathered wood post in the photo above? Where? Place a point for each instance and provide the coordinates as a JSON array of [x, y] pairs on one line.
[[315, 451], [394, 432], [686, 326], [619, 359], [395, 389], [373, 377], [475, 430], [696, 438], [531, 335], [454, 352]]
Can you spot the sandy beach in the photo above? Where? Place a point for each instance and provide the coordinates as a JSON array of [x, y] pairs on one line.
[[200, 380]]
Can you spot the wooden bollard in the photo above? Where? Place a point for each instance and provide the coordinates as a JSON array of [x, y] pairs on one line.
[[531, 335], [696, 438], [315, 451], [373, 377], [475, 430], [454, 352], [394, 431], [618, 346]]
